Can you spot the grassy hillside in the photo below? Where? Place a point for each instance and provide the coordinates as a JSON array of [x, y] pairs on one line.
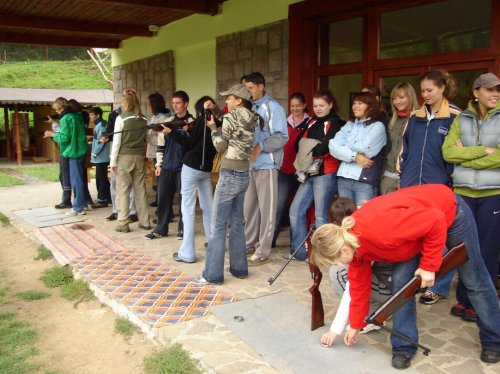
[[52, 74], [75, 74]]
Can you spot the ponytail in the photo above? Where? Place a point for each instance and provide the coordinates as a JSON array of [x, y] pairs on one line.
[[442, 78], [328, 240]]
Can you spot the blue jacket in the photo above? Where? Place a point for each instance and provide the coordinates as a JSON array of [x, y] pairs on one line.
[[421, 160], [100, 151], [358, 137], [273, 137], [172, 147]]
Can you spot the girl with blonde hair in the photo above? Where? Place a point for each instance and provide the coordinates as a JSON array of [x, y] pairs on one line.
[[127, 161], [403, 103], [409, 228]]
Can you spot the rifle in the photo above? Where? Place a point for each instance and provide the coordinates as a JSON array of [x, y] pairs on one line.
[[154, 126], [317, 311], [271, 280], [452, 259]]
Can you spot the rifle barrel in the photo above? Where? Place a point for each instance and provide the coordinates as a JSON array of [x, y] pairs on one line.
[[271, 280]]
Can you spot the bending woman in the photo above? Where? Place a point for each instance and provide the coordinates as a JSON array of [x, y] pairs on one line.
[[418, 222]]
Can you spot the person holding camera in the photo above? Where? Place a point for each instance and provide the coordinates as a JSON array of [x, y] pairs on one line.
[[235, 141], [196, 179]]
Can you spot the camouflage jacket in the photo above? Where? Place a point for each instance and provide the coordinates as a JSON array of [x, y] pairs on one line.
[[235, 138]]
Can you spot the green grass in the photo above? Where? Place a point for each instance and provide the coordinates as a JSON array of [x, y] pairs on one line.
[[77, 291], [31, 295], [48, 173], [52, 74], [173, 360], [7, 180], [4, 220], [57, 276], [43, 254], [3, 295], [124, 327], [17, 345]]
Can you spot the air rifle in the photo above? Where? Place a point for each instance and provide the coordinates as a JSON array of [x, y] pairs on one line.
[[317, 315], [451, 260], [317, 311], [172, 125], [271, 280]]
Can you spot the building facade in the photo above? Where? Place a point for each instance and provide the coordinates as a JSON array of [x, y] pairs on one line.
[[315, 44]]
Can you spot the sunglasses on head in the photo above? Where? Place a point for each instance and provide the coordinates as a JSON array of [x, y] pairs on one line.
[[129, 92]]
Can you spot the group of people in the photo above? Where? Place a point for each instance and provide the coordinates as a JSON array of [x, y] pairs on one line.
[[441, 187], [271, 167]]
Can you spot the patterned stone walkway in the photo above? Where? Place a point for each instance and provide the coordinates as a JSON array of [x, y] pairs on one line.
[[454, 343]]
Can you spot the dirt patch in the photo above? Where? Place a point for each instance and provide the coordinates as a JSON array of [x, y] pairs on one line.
[[80, 340]]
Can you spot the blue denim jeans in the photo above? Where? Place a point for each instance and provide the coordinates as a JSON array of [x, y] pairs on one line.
[[319, 189], [76, 170], [227, 209], [358, 192], [194, 183], [473, 273], [488, 226], [287, 184]]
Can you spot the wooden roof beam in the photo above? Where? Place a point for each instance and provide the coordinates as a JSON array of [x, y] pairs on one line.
[[43, 23], [66, 41], [210, 7]]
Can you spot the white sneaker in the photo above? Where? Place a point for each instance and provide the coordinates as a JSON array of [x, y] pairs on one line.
[[74, 213], [201, 281]]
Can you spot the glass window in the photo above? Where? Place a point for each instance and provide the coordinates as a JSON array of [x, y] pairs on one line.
[[342, 86], [341, 42], [464, 80], [446, 26]]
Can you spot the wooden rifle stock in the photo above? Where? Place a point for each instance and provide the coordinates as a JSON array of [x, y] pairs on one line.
[[317, 311], [451, 260]]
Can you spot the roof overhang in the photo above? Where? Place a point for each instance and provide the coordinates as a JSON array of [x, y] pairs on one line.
[[43, 96], [92, 23]]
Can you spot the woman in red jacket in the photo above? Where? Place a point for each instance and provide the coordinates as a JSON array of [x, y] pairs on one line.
[[410, 228], [287, 181]]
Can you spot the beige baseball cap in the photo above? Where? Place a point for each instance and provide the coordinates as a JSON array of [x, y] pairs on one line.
[[487, 80], [239, 90]]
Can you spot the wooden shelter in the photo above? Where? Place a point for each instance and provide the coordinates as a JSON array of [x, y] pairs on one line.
[[92, 23], [20, 101]]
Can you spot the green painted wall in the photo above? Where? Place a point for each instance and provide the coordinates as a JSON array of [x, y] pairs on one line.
[[236, 15], [193, 41], [195, 71]]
